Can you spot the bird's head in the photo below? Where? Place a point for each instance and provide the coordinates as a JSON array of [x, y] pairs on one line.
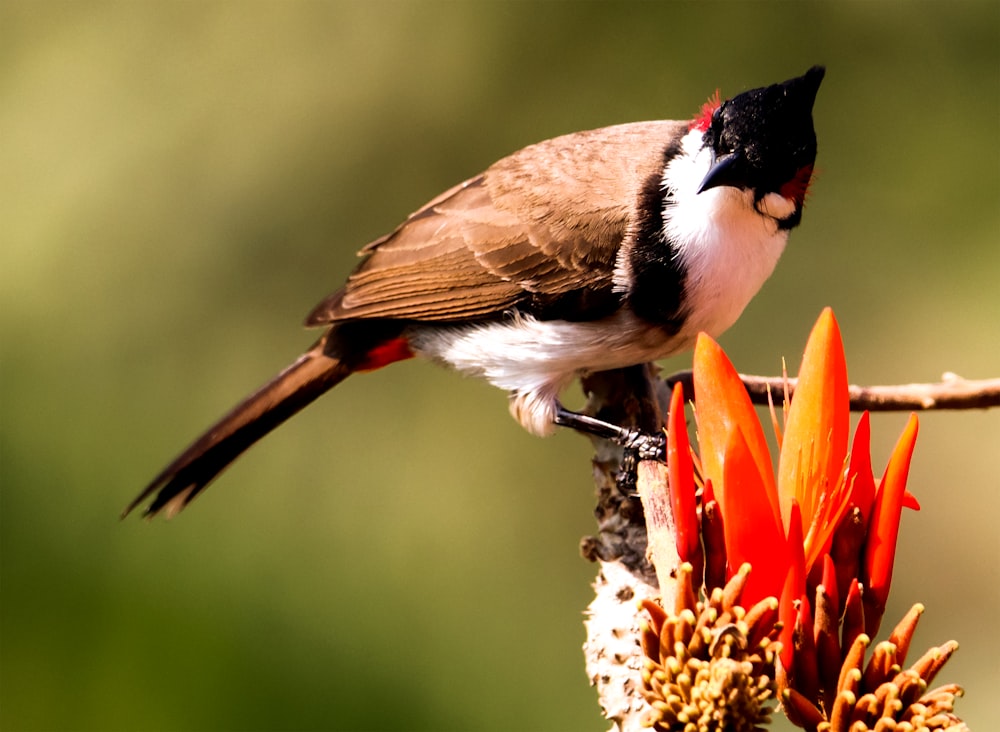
[[763, 141]]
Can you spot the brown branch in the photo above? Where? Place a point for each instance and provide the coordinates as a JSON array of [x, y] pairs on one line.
[[952, 392]]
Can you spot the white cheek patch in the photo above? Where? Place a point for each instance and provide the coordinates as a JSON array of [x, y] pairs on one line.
[[776, 206]]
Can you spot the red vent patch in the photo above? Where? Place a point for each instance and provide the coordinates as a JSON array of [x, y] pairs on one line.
[[386, 353]]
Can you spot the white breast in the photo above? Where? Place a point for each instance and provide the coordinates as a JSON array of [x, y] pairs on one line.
[[728, 248]]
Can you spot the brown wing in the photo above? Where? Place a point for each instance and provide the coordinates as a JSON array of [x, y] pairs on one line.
[[544, 222]]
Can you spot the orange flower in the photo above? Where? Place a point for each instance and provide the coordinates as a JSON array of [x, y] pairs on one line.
[[784, 522]]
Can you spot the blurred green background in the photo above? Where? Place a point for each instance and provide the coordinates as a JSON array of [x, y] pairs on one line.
[[181, 182]]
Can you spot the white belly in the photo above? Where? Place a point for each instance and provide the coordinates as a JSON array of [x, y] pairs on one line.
[[534, 360]]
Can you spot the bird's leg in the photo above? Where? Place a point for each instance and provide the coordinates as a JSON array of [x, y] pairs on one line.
[[627, 479], [646, 446]]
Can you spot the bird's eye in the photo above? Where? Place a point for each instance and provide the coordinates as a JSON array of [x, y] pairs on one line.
[[718, 132], [717, 119], [713, 128]]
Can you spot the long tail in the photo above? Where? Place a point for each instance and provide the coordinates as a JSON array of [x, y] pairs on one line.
[[298, 385]]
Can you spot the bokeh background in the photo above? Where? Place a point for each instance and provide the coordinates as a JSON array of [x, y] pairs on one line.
[[181, 182]]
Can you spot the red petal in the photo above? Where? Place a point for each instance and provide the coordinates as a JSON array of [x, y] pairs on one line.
[[796, 553], [816, 432], [883, 529], [753, 532], [714, 535], [680, 478], [830, 581], [853, 623], [722, 408], [794, 588], [863, 488], [787, 614], [806, 675]]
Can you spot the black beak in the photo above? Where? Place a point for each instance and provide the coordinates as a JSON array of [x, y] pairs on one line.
[[726, 171]]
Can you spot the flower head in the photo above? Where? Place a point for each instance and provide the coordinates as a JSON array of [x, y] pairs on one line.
[[818, 531], [709, 665], [821, 500], [880, 694], [818, 480]]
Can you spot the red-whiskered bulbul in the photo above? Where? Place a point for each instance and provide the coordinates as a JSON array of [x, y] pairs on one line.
[[591, 251]]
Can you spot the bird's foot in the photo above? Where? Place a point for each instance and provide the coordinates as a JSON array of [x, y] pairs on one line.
[[644, 445]]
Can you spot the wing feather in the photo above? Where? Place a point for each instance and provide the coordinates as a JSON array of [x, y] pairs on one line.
[[544, 222]]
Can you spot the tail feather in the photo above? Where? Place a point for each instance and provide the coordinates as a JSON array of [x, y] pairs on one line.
[[311, 375]]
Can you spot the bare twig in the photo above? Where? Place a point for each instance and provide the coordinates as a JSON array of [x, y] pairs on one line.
[[952, 392]]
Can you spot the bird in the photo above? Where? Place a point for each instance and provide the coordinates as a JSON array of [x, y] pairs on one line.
[[587, 252]]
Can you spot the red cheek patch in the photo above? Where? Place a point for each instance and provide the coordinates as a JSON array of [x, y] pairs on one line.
[[798, 187]]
